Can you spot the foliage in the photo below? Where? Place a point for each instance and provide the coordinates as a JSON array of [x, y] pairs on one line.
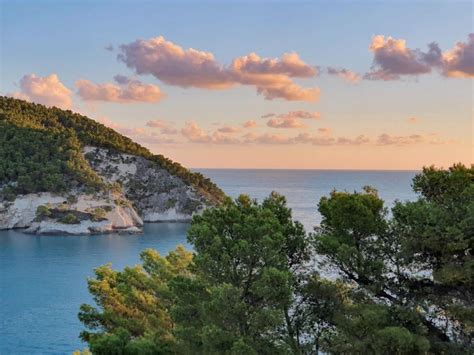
[[135, 305], [69, 219], [42, 212], [417, 267], [40, 150], [246, 256], [404, 287], [98, 214]]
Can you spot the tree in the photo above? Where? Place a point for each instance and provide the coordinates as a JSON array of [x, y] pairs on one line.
[[133, 315], [404, 284], [246, 262], [415, 271]]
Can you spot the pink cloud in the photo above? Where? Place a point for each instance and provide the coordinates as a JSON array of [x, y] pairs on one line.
[[228, 129], [138, 134], [220, 138], [173, 65], [291, 119], [165, 127], [388, 139], [296, 114], [169, 131], [194, 133], [345, 74], [128, 92], [459, 61], [266, 138], [157, 124], [326, 139], [250, 124], [323, 137], [392, 58], [47, 90], [325, 130], [285, 122]]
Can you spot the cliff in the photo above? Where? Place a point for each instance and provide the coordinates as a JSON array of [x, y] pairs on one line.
[[63, 173]]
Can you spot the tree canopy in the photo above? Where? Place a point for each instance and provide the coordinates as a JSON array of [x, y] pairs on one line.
[[404, 281]]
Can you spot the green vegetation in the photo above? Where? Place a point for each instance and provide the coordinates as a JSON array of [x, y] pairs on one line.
[[98, 214], [42, 212], [40, 150], [69, 219], [405, 280]]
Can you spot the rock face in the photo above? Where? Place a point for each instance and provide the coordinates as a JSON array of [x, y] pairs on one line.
[[143, 192], [157, 195], [81, 214]]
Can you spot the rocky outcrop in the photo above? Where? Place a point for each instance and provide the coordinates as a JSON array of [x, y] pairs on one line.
[[157, 195], [139, 190], [45, 213]]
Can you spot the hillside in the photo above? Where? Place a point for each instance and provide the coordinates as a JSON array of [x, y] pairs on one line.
[[49, 150]]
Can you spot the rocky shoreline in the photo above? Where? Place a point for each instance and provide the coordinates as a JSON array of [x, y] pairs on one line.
[[143, 192]]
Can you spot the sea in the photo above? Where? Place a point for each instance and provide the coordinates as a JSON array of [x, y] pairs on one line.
[[43, 279]]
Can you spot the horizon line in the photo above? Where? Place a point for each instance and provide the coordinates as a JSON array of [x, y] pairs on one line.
[[309, 169]]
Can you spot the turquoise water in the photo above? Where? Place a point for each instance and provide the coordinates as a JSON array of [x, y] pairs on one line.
[[43, 278]]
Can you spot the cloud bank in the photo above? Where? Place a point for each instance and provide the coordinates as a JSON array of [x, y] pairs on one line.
[[173, 65], [393, 59], [125, 91]]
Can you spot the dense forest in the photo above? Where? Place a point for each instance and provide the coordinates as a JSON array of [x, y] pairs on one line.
[[403, 284], [40, 150]]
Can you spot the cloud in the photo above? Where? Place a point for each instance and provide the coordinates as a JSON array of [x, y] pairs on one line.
[[228, 129], [138, 134], [459, 61], [47, 90], [128, 92], [122, 79], [295, 114], [173, 65], [302, 114], [291, 119], [109, 48], [220, 138], [286, 122], [266, 138], [325, 130], [326, 139], [388, 139], [157, 124], [195, 134], [345, 74], [165, 127], [250, 124], [392, 58]]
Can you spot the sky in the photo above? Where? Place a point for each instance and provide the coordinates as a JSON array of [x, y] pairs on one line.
[[256, 84]]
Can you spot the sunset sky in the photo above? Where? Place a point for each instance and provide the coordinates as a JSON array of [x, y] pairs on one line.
[[256, 84]]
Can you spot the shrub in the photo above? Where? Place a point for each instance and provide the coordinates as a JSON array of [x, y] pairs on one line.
[[42, 212], [99, 214], [69, 219]]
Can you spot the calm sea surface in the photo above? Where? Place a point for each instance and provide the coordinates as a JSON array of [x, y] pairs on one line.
[[43, 278]]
